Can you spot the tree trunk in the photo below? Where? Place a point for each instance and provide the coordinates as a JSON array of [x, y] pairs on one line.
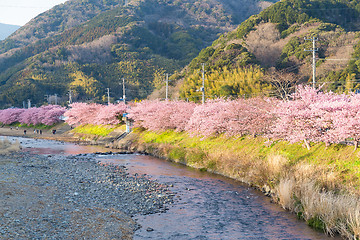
[[356, 144], [307, 144]]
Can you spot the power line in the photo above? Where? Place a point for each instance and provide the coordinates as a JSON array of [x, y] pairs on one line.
[[339, 59], [326, 9]]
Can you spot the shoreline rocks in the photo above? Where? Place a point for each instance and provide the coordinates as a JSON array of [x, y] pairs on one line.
[[70, 197]]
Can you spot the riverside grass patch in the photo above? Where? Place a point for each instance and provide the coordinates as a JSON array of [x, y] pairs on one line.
[[338, 158], [97, 130], [37, 126]]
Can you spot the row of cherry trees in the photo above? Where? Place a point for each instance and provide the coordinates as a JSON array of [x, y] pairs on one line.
[[78, 114], [311, 116], [315, 116], [220, 116], [47, 115]]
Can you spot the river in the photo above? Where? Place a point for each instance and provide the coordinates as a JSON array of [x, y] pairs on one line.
[[207, 206]]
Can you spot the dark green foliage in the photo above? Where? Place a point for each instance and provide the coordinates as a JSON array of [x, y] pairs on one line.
[[233, 55], [287, 13], [289, 31], [326, 19], [203, 56], [316, 223], [96, 43]]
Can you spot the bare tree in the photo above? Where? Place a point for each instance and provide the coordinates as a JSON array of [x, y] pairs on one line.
[[284, 83]]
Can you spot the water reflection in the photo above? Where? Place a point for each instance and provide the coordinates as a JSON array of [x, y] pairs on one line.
[[41, 146], [210, 206]]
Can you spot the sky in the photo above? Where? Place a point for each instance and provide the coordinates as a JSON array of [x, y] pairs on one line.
[[19, 12]]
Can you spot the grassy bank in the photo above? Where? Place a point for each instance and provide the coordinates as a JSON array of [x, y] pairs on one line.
[[90, 132], [320, 185], [38, 126]]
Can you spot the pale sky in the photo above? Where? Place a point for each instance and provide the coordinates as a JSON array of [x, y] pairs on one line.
[[19, 12]]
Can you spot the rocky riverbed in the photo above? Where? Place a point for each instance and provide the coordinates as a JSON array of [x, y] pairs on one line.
[[73, 197]]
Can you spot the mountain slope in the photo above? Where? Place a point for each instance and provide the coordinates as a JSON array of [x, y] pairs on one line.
[[272, 42], [56, 20], [139, 42], [6, 30]]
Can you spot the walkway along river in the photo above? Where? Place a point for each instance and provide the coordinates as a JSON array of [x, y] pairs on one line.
[[206, 206]]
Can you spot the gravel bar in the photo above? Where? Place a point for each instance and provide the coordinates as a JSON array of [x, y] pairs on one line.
[[73, 197]]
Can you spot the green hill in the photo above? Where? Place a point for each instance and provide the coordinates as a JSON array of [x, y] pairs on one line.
[[89, 45], [265, 54]]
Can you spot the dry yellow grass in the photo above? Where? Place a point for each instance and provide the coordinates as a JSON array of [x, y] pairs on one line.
[[284, 192], [276, 164], [7, 147], [354, 221], [340, 212]]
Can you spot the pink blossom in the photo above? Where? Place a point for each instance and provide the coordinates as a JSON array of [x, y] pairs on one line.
[[162, 115], [10, 115], [93, 113], [47, 115]]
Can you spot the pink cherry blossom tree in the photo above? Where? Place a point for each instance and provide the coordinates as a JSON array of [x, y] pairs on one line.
[[311, 116], [50, 115], [296, 119], [345, 120], [232, 117], [30, 116], [10, 115], [81, 113], [110, 114], [161, 115], [93, 113], [47, 115]]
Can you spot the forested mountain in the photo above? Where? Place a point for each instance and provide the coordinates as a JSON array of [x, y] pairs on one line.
[[89, 45], [266, 53], [6, 30]]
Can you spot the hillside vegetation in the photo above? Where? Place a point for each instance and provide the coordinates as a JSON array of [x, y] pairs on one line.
[[272, 43], [89, 45]]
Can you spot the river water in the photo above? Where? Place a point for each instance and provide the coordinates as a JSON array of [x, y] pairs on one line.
[[207, 206]]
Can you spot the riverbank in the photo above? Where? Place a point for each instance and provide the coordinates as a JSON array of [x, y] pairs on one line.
[[320, 185], [63, 132], [72, 197]]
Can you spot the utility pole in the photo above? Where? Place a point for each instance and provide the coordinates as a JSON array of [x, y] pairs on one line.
[[203, 83], [108, 95], [167, 87], [47, 99], [124, 92], [70, 96], [313, 50]]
